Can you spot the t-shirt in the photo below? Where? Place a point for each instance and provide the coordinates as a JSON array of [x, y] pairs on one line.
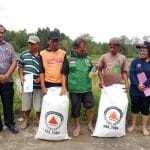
[[52, 62], [112, 68]]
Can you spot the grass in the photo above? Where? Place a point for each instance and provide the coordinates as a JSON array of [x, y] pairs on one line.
[[96, 93]]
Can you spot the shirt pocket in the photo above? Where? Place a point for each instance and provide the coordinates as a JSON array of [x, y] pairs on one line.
[[72, 67]]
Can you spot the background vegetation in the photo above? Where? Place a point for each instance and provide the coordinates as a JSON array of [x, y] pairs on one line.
[[19, 41], [95, 49]]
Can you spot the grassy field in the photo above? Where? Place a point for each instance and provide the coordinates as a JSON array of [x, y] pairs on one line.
[[96, 93]]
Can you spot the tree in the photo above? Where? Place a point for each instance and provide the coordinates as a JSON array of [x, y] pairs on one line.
[[43, 34]]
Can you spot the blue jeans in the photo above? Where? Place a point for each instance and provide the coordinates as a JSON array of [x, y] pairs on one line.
[[7, 94]]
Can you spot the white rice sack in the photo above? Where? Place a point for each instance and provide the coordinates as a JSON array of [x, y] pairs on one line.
[[54, 116], [112, 112]]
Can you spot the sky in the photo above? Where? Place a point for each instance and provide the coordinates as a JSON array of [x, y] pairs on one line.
[[102, 19]]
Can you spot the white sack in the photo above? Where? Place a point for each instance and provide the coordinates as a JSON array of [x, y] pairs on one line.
[[54, 116], [112, 112]]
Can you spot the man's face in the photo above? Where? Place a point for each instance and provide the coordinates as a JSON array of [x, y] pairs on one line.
[[2, 33], [82, 50], [113, 48], [53, 44], [34, 47]]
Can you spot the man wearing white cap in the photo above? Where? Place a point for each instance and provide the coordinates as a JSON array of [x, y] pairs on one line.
[[29, 63]]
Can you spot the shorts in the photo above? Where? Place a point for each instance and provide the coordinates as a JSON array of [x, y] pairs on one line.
[[140, 104], [32, 99], [77, 99]]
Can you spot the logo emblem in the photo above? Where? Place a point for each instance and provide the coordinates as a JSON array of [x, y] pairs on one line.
[[139, 65], [72, 61], [53, 120], [113, 115]]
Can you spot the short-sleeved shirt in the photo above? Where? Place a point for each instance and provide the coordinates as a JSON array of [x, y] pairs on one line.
[[77, 69], [30, 65], [51, 64], [112, 68], [7, 56]]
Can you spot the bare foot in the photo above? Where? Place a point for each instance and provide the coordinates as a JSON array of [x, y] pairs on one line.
[[76, 132], [131, 128], [145, 132], [90, 128], [24, 124]]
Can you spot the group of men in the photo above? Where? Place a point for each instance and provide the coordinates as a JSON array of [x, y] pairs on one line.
[[53, 67]]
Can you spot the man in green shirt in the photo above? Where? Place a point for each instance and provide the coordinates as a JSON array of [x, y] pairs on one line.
[[76, 68]]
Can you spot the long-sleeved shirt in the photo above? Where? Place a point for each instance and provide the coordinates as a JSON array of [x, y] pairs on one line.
[[138, 66]]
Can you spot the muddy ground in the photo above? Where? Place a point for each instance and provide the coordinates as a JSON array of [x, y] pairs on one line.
[[24, 140]]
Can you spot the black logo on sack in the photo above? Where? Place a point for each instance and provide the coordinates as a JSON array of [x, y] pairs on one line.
[[53, 120], [113, 115]]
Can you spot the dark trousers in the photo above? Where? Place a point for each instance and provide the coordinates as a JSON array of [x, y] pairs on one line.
[[7, 94]]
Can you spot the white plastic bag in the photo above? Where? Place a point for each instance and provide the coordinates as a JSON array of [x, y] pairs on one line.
[[54, 116], [112, 112]]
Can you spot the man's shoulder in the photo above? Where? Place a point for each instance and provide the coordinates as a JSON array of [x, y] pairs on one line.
[[7, 44], [42, 51], [105, 55], [62, 51], [121, 56], [25, 52]]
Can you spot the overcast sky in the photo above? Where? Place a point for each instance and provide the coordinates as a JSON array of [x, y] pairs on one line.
[[102, 19]]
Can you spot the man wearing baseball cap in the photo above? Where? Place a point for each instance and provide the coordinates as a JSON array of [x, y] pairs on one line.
[[52, 61], [29, 63], [113, 66], [33, 39]]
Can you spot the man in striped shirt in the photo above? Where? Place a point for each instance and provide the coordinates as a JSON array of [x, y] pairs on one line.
[[29, 63]]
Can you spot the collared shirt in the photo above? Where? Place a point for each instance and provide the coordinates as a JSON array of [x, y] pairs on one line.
[[77, 69], [30, 65], [7, 56]]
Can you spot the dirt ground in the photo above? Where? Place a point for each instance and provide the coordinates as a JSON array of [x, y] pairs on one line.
[[24, 140]]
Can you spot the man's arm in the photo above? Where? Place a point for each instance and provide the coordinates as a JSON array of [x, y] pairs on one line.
[[11, 68], [126, 81], [100, 69], [42, 81], [125, 74], [4, 77], [64, 72], [101, 84], [42, 76], [21, 75]]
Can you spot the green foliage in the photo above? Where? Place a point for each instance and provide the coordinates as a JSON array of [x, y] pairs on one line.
[[42, 34], [19, 41]]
